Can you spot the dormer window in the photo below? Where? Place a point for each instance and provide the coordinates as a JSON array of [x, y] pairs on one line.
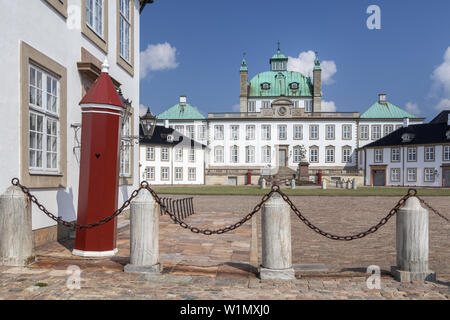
[[293, 85], [169, 138], [448, 134], [407, 137], [265, 86]]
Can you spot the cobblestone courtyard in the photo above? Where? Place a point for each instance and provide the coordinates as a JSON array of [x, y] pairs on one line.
[[225, 266]]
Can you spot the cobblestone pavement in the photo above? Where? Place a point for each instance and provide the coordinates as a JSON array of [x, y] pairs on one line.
[[225, 266]]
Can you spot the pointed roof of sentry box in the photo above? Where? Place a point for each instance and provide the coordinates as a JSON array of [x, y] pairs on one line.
[[103, 91]]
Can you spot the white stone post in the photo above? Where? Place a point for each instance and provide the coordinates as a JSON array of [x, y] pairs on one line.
[[263, 183], [412, 243], [293, 184], [354, 184], [347, 184], [16, 235], [276, 240], [144, 234], [324, 184]]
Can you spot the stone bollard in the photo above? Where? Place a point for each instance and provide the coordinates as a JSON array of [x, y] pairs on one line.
[[337, 183], [293, 184], [412, 243], [16, 235], [263, 183], [324, 184], [276, 240], [144, 235], [354, 184], [347, 184]]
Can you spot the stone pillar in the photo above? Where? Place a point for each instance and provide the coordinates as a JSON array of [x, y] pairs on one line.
[[16, 235], [412, 243], [347, 184], [144, 234], [293, 184], [263, 183], [276, 240], [354, 184], [324, 184]]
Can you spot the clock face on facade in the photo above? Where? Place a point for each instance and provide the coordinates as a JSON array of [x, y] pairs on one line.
[[282, 111]]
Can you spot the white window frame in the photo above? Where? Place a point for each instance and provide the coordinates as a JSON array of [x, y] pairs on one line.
[[412, 156], [48, 110], [427, 174], [250, 132], [446, 153], [266, 154], [125, 29], [150, 154], [192, 174], [395, 174], [308, 106], [282, 132], [178, 173], [346, 132], [314, 154], [331, 131], [234, 132], [190, 132], [297, 155], [364, 132], [395, 155], [179, 129], [125, 150], [218, 132], [94, 16], [313, 132], [178, 154], [429, 151], [266, 131], [251, 105], [346, 155], [164, 172], [150, 173], [378, 155], [234, 154], [376, 134], [388, 129], [298, 132], [409, 171], [164, 154], [329, 155], [202, 132], [249, 154], [191, 155], [218, 154]]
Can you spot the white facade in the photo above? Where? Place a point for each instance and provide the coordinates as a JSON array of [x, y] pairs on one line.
[[168, 164], [51, 33], [412, 165]]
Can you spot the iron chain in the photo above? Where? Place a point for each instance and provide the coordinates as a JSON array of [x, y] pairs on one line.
[[75, 225], [207, 232], [432, 209], [392, 212]]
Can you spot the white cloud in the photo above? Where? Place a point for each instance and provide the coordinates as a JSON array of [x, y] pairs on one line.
[[412, 108], [157, 57], [305, 65], [328, 106], [441, 74], [444, 104]]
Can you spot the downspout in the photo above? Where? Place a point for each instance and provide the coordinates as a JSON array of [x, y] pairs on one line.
[[365, 165], [403, 166]]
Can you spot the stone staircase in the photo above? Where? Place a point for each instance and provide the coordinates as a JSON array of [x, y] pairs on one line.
[[284, 173]]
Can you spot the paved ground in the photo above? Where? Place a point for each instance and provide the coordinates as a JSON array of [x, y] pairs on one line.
[[225, 266]]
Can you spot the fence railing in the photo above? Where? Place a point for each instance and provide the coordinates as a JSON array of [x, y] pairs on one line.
[[181, 208]]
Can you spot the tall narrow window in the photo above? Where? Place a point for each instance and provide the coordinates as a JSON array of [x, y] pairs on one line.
[[178, 173], [44, 121], [346, 154], [180, 129], [329, 154], [378, 155], [429, 175], [191, 174], [412, 154], [190, 132], [234, 132], [388, 129], [218, 154], [330, 131], [250, 154], [218, 132], [446, 153], [298, 132], [179, 154], [297, 154], [346, 131], [364, 132], [192, 155], [395, 174], [164, 154], [412, 175], [266, 154], [313, 132], [395, 154], [429, 153], [314, 154], [250, 132], [202, 132], [376, 132], [282, 132], [150, 154], [94, 16], [308, 105], [124, 29], [251, 106], [234, 154], [265, 132]]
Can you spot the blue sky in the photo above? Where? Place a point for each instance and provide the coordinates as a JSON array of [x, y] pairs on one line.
[[195, 48]]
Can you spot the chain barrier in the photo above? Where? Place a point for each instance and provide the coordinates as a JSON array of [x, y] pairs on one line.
[[392, 212], [75, 225], [207, 232], [426, 204], [275, 189]]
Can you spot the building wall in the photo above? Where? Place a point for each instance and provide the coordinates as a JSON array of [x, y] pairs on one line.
[[59, 38], [403, 164], [157, 163]]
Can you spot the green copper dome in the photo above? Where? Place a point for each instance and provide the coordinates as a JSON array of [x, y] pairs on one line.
[[386, 110], [280, 83], [179, 112]]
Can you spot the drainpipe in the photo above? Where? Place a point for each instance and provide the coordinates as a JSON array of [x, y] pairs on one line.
[[365, 165], [403, 166]]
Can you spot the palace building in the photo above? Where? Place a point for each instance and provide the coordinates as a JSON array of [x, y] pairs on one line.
[[280, 126]]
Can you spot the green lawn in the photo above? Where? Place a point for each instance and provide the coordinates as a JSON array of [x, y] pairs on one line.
[[253, 191]]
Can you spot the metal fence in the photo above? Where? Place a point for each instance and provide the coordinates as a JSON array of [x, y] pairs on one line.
[[181, 208]]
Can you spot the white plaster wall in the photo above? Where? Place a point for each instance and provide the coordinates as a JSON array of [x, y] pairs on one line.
[[37, 24], [420, 165]]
